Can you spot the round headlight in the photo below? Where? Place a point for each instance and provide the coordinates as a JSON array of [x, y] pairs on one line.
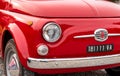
[[51, 32]]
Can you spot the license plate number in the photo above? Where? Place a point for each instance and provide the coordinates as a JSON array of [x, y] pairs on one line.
[[100, 48]]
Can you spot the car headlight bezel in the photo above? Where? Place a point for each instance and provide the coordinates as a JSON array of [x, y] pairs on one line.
[[53, 28]]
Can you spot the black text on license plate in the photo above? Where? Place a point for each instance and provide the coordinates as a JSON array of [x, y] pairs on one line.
[[100, 48]]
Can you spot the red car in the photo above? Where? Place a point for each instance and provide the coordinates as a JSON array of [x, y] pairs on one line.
[[59, 36]]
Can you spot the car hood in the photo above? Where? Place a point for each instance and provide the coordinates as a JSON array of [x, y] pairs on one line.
[[66, 8]]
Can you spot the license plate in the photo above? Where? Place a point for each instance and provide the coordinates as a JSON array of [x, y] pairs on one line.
[[100, 48]]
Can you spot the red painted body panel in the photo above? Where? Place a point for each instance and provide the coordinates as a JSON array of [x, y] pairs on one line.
[[70, 8], [80, 17]]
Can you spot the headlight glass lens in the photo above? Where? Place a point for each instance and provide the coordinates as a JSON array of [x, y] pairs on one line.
[[51, 32]]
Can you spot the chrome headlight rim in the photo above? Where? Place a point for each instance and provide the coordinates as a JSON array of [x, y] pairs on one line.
[[45, 26]]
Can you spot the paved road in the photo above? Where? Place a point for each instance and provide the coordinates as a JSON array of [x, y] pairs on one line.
[[1, 68], [91, 73]]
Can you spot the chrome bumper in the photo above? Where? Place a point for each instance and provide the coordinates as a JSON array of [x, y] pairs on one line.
[[73, 62]]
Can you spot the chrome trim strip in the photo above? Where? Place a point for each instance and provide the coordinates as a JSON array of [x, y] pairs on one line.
[[114, 34], [84, 36], [73, 62], [92, 35]]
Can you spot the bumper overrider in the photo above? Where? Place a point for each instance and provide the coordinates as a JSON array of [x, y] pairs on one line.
[[62, 63]]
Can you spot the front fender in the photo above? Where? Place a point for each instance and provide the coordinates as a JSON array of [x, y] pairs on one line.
[[20, 41]]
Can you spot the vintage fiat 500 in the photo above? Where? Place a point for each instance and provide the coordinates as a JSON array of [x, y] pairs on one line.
[[59, 36]]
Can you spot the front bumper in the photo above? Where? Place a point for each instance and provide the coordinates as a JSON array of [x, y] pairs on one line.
[[63, 63]]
